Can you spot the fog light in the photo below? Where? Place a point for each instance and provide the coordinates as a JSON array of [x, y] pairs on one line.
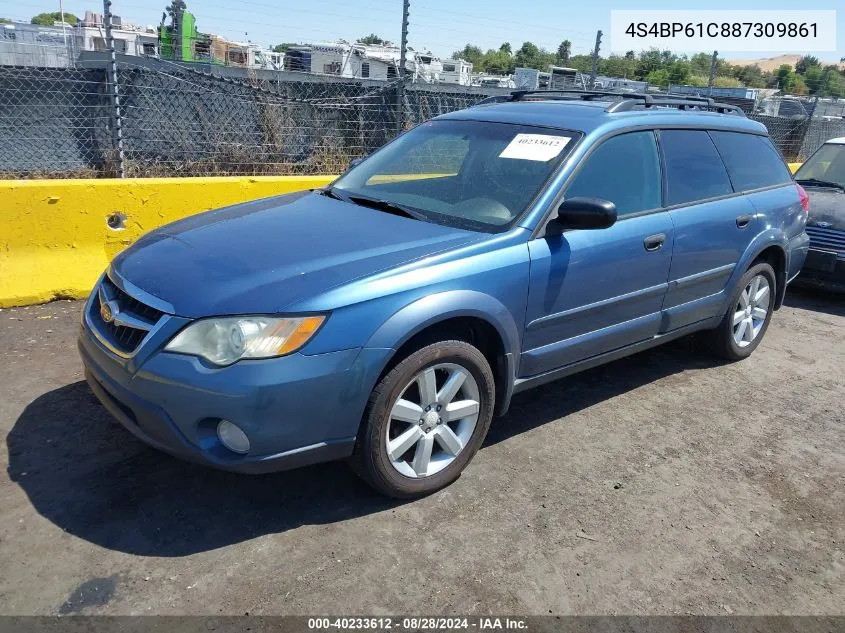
[[232, 437]]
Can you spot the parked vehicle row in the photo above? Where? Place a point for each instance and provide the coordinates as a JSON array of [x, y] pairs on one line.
[[823, 176], [388, 317]]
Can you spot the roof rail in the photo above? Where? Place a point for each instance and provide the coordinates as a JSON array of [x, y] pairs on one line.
[[623, 102], [564, 94], [682, 102]]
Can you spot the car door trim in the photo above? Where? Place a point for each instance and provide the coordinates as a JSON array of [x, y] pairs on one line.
[[704, 275], [529, 382], [552, 319]]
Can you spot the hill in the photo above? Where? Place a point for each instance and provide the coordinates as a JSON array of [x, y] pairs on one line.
[[771, 64]]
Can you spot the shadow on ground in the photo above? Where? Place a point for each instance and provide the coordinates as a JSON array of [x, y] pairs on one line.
[[816, 300], [90, 477]]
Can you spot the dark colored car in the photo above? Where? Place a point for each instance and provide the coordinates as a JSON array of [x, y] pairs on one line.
[[823, 178], [388, 317]]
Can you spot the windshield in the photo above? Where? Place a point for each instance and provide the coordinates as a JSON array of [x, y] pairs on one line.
[[466, 173], [827, 165]]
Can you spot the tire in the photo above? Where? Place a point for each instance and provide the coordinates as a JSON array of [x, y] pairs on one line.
[[390, 424], [725, 337]]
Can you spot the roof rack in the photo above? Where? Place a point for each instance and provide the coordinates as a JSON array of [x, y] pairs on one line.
[[682, 102], [623, 101]]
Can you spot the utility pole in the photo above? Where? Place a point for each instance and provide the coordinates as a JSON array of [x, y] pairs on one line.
[[62, 12], [177, 34], [595, 60], [114, 89], [713, 62], [403, 56]]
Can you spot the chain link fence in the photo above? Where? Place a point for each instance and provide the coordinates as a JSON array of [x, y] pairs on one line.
[[193, 120], [178, 121]]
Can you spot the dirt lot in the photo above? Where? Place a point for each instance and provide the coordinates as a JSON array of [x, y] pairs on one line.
[[662, 483]]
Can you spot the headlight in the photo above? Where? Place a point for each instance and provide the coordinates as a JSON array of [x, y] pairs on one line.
[[225, 341]]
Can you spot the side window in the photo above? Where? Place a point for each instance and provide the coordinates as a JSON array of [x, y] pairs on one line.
[[625, 170], [751, 160], [694, 170]]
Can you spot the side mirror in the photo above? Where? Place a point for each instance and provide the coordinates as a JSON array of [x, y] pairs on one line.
[[586, 213]]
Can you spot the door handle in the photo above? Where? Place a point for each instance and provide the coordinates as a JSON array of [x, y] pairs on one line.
[[654, 242], [743, 220]]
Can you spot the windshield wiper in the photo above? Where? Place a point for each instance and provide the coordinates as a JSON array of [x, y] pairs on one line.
[[330, 192], [820, 183], [389, 207]]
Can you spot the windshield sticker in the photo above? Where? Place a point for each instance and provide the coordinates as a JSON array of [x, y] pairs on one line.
[[539, 147]]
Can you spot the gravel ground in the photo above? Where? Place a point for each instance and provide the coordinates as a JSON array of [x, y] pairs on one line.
[[662, 483]]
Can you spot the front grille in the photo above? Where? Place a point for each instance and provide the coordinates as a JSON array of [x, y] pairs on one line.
[[118, 334], [827, 239]]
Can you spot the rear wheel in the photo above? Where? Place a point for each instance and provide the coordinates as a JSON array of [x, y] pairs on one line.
[[748, 315], [425, 420]]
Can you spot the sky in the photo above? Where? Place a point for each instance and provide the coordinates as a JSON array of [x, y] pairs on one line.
[[442, 26]]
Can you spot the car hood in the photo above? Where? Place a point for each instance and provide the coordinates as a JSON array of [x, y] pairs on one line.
[[827, 207], [262, 256]]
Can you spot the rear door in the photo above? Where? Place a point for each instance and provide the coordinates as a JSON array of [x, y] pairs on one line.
[[593, 291], [759, 171], [713, 226]]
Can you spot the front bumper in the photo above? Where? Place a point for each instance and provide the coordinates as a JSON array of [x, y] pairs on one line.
[[823, 269], [296, 410]]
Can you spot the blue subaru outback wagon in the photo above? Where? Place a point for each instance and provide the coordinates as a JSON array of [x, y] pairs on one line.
[[389, 316]]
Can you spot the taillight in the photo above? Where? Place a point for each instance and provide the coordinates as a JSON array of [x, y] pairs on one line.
[[805, 199]]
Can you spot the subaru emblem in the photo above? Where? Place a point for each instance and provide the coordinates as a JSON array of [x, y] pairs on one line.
[[106, 313]]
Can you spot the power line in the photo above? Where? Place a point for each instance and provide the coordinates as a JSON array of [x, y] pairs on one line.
[[506, 22]]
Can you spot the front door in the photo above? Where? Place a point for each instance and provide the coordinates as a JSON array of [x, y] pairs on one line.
[[593, 291]]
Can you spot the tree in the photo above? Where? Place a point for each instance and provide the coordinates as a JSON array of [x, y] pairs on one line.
[[48, 19], [281, 48], [497, 63], [373, 39], [815, 79], [805, 63], [658, 78], [652, 60], [530, 55], [750, 76], [176, 8], [700, 64], [5, 21], [471, 54], [799, 87], [617, 66], [678, 72], [835, 84], [564, 51], [582, 63], [789, 81], [506, 49]]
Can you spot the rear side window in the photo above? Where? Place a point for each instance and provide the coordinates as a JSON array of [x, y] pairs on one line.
[[625, 170], [694, 170], [751, 160]]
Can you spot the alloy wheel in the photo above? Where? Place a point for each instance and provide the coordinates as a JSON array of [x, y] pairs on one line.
[[751, 311], [432, 420]]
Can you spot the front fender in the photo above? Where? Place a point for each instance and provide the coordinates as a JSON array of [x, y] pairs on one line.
[[438, 307], [434, 308]]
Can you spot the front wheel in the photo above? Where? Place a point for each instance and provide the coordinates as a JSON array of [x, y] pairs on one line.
[[425, 420], [748, 315]]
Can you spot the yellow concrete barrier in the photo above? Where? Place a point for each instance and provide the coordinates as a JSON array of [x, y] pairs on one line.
[[56, 238], [793, 167]]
